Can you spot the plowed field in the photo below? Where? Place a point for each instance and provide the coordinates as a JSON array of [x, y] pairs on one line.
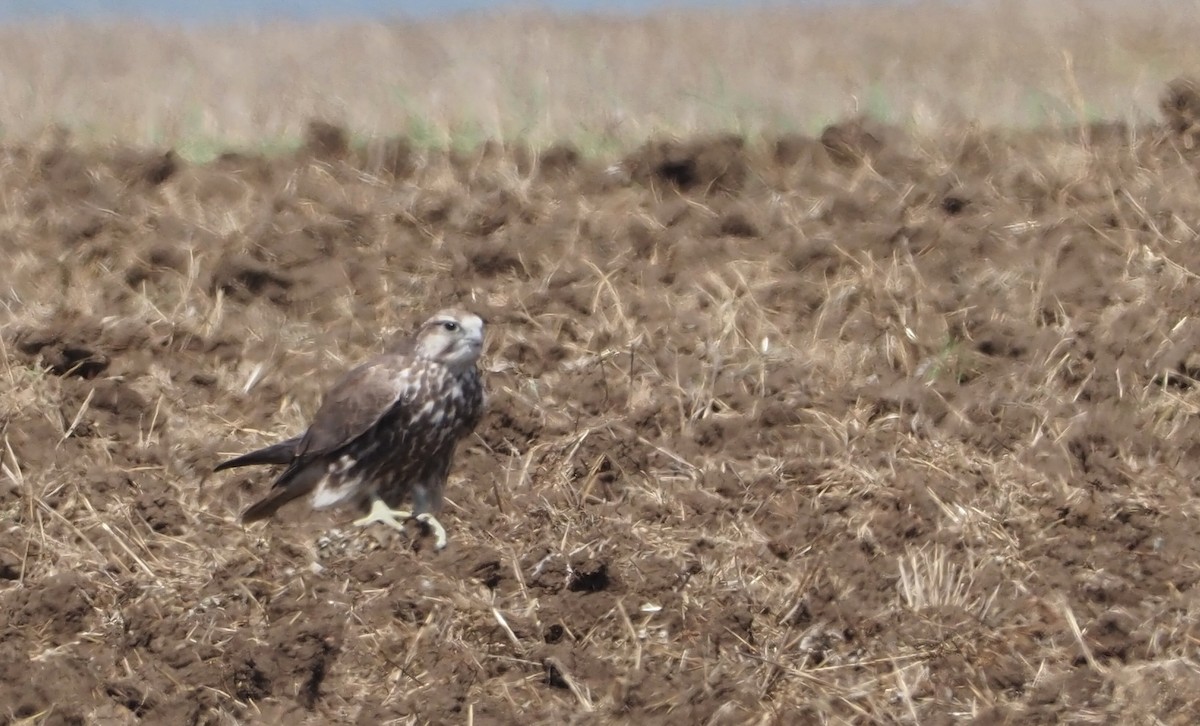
[[865, 428]]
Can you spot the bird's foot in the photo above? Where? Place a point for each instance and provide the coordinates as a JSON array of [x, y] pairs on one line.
[[384, 514], [396, 518], [439, 532]]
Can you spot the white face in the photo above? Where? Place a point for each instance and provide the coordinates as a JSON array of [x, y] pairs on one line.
[[452, 337]]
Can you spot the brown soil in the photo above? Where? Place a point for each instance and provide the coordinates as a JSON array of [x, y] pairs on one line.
[[863, 428]]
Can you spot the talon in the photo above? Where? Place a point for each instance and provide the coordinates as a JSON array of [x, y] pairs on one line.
[[383, 514], [439, 532]]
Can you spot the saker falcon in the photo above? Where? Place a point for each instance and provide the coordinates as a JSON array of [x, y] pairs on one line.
[[386, 431]]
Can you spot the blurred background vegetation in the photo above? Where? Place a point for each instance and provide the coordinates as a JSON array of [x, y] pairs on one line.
[[600, 81]]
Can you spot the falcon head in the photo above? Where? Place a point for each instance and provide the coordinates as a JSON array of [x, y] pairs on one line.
[[452, 337]]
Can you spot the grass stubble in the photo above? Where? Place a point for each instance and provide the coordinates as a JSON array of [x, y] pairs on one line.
[[902, 436]]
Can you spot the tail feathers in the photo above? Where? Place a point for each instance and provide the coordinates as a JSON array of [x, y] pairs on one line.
[[290, 485], [281, 453]]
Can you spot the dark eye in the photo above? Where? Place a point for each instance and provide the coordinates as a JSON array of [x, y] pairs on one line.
[[450, 325]]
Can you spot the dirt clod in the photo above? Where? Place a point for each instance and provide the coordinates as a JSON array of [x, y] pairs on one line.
[[871, 427]]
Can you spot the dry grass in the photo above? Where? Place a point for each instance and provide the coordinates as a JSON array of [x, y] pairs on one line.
[[894, 428], [599, 82]]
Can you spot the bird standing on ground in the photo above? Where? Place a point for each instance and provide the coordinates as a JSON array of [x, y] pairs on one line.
[[386, 431]]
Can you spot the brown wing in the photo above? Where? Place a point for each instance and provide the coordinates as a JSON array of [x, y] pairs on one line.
[[358, 401], [280, 453]]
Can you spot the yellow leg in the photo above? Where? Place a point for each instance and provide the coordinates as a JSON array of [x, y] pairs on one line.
[[439, 532], [396, 518], [383, 514]]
